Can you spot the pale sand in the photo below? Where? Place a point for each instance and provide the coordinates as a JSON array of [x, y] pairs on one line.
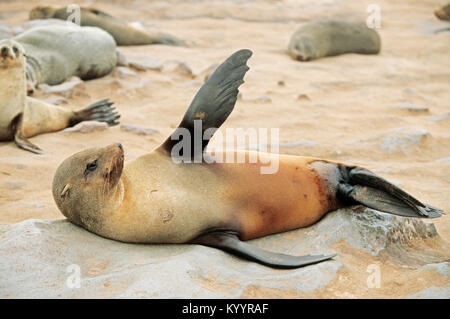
[[351, 98]]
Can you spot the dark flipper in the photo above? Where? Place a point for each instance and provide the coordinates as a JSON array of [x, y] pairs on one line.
[[230, 242], [104, 15], [375, 192], [20, 140], [214, 101], [100, 111]]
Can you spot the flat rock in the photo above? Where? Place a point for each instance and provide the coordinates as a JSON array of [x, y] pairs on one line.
[[432, 293], [136, 129], [402, 139], [179, 67], [411, 108], [442, 268], [124, 72], [143, 62], [441, 117], [71, 87], [86, 127], [40, 259]]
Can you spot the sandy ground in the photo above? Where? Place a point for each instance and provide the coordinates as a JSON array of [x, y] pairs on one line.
[[350, 98]]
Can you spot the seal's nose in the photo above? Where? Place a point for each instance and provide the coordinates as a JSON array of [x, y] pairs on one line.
[[4, 52], [120, 145]]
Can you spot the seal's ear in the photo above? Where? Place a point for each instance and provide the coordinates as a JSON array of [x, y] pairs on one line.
[[65, 190]]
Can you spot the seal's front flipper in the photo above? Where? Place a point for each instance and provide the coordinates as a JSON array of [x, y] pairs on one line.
[[100, 111], [375, 192], [20, 140], [230, 242], [213, 103]]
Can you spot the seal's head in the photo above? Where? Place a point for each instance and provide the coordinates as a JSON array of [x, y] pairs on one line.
[[88, 183], [12, 54], [302, 49], [41, 12]]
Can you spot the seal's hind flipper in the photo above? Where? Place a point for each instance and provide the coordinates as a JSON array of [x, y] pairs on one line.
[[230, 242], [375, 192], [20, 139], [214, 101], [99, 111]]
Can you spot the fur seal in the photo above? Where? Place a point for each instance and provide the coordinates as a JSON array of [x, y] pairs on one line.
[[322, 38], [55, 53], [443, 13], [152, 199], [22, 116], [123, 33]]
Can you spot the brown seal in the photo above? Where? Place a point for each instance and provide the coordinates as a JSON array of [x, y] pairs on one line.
[[123, 33], [443, 13], [22, 116], [317, 39], [157, 198]]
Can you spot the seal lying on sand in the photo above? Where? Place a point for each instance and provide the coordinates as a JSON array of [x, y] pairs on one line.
[[55, 53], [152, 199], [123, 33], [443, 13], [22, 116], [322, 38]]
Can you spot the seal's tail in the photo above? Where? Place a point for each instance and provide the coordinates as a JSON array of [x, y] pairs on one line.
[[365, 187]]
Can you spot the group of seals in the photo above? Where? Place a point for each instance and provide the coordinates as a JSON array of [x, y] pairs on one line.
[[123, 33], [323, 38], [54, 53], [22, 116], [152, 199]]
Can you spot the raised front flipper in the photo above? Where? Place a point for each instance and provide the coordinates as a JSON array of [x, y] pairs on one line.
[[230, 242], [375, 192], [212, 104]]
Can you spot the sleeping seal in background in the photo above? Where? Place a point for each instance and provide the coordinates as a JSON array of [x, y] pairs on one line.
[[22, 117], [55, 53], [153, 199], [123, 33], [322, 38]]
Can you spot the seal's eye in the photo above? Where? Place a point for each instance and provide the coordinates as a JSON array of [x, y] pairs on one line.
[[91, 166], [16, 50]]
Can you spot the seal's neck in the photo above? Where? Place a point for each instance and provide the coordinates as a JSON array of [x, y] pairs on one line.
[[13, 91], [33, 70], [119, 194]]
